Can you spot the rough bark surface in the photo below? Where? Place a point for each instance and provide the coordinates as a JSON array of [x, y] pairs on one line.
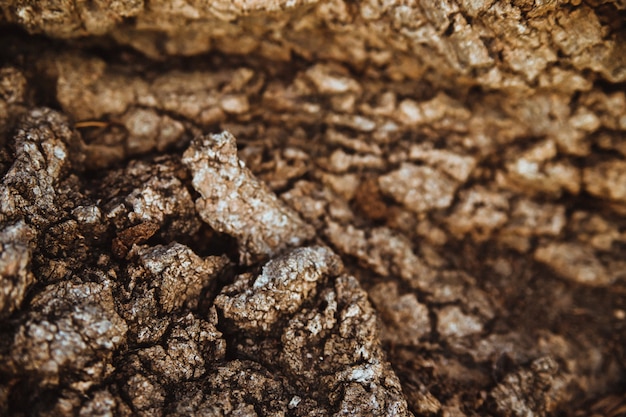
[[312, 208]]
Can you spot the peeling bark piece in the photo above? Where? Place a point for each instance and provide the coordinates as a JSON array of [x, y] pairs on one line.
[[332, 350], [332, 80], [177, 273], [533, 391], [369, 385], [164, 280], [479, 212], [234, 202], [607, 180], [575, 262], [16, 241], [39, 189], [455, 165], [384, 251], [88, 92], [539, 171], [529, 219], [69, 335], [41, 158], [148, 130], [147, 198], [341, 162], [419, 188], [452, 322], [281, 288]]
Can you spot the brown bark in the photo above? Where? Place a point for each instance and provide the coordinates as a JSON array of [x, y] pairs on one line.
[[312, 208]]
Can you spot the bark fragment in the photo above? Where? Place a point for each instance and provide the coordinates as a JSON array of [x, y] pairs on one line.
[[68, 337], [234, 202], [535, 390], [281, 288], [16, 241], [419, 188]]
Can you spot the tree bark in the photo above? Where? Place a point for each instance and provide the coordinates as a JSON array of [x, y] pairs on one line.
[[312, 207]]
